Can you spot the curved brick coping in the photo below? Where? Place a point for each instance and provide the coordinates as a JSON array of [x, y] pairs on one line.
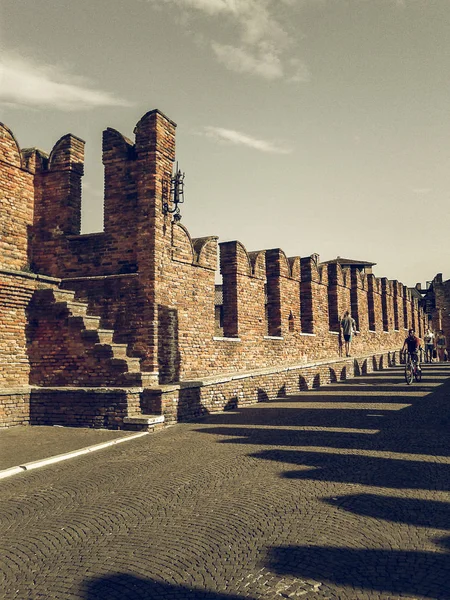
[[20, 391], [27, 275], [96, 277], [356, 332], [225, 378], [90, 390]]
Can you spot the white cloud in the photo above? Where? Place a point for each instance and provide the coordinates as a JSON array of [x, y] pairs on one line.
[[27, 83], [267, 64], [301, 73], [241, 139], [421, 191], [260, 42]]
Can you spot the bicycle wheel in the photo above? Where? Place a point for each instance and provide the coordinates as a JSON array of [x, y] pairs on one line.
[[418, 374], [409, 373]]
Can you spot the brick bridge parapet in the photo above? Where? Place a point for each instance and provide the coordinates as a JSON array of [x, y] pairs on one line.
[[152, 287]]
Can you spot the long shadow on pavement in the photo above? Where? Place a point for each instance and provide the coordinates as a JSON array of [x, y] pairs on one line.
[[122, 586], [398, 572], [412, 424]]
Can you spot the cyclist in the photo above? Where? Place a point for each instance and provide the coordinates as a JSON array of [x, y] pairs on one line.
[[413, 344]]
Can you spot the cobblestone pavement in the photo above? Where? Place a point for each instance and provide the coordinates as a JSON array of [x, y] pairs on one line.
[[22, 444], [336, 493]]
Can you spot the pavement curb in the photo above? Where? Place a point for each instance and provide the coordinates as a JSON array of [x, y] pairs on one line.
[[37, 464]]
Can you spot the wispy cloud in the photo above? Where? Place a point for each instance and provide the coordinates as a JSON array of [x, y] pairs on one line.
[[261, 44], [24, 82], [241, 139], [421, 191], [266, 64]]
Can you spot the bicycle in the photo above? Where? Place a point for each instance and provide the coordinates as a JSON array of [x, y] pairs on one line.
[[412, 370]]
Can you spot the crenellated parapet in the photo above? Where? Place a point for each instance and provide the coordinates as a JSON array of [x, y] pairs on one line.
[[155, 286], [243, 277], [58, 192], [283, 293], [339, 294], [16, 203], [200, 252], [313, 296], [359, 298]]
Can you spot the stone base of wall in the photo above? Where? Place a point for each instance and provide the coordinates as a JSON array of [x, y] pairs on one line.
[[109, 407], [15, 407], [190, 400], [71, 407], [103, 408]]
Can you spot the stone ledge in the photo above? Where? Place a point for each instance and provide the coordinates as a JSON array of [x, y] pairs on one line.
[[26, 275], [16, 391], [144, 420], [88, 390], [225, 378], [95, 277]]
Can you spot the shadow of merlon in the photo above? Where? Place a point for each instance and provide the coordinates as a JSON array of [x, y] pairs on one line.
[[397, 572]]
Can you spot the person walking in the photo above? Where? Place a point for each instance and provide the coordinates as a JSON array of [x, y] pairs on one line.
[[429, 345], [441, 346], [348, 329]]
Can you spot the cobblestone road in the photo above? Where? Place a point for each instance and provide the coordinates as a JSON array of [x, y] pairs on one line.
[[336, 493]]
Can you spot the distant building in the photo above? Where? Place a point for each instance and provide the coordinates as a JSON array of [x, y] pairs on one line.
[[436, 304], [362, 265]]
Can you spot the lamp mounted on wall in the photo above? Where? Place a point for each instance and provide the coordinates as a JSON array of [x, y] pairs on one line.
[[173, 194]]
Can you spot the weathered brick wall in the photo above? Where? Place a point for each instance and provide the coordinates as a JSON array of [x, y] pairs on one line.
[[90, 407], [65, 347], [16, 292], [154, 285], [245, 346], [188, 401], [16, 203], [339, 295], [186, 305], [14, 407], [439, 299], [120, 302]]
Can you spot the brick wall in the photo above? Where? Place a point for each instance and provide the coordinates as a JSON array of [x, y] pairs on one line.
[[89, 407], [190, 400], [14, 407], [154, 286], [16, 203], [16, 293]]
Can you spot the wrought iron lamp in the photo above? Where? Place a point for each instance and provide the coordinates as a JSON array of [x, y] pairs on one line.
[[173, 194]]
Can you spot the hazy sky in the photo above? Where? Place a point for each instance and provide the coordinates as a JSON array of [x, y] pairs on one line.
[[310, 125]]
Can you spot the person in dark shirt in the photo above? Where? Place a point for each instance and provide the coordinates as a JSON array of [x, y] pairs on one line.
[[348, 326], [412, 345], [441, 345]]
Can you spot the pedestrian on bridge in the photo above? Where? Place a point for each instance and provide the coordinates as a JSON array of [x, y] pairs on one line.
[[348, 325], [441, 345]]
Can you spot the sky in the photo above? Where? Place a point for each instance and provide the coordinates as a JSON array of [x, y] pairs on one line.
[[314, 126]]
